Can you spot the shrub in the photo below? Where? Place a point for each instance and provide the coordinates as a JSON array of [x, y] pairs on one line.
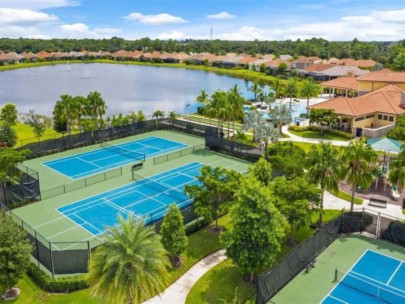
[[395, 232], [319, 129], [397, 133], [65, 284], [195, 225]]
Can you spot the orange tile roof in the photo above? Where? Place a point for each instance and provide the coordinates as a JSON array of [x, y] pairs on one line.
[[319, 67], [275, 63], [384, 76], [344, 82], [384, 100], [366, 63]]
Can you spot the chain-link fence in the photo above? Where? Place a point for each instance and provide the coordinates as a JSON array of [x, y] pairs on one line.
[[367, 221]]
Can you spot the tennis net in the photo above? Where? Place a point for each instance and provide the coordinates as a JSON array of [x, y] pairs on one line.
[[364, 286], [156, 184], [122, 151]]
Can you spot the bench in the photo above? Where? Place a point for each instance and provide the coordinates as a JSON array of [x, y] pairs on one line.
[[378, 203], [137, 166], [310, 265]]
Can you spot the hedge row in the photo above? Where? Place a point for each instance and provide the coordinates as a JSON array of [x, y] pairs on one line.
[[319, 129], [59, 285]]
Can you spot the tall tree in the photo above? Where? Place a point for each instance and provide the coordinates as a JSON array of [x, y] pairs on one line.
[[173, 233], [172, 116], [64, 111], [359, 161], [235, 105], [295, 198], [36, 121], [309, 89], [324, 166], [266, 132], [130, 266], [291, 88], [96, 108], [8, 161], [218, 107], [397, 170], [286, 159], [256, 89], [8, 136], [252, 120], [261, 170], [281, 115], [214, 193], [8, 115], [15, 252], [257, 228]]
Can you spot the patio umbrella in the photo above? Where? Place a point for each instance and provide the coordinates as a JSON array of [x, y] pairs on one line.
[[385, 144]]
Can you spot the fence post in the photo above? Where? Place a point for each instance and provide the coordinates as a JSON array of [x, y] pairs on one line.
[[362, 220], [88, 250], [50, 255], [341, 222], [36, 245]]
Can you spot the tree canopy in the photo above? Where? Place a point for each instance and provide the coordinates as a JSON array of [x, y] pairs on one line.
[[286, 159]]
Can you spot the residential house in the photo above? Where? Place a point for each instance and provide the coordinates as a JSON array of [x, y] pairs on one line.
[[301, 63], [345, 85], [324, 72], [379, 79], [372, 114], [10, 58]]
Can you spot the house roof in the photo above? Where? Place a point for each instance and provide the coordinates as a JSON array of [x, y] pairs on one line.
[[275, 63], [349, 83], [384, 100], [319, 67], [384, 76], [342, 70]]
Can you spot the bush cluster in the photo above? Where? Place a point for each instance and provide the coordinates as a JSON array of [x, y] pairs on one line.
[[397, 133], [195, 225], [64, 284], [318, 129]]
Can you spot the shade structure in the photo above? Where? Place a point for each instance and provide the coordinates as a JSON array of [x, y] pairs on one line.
[[385, 144]]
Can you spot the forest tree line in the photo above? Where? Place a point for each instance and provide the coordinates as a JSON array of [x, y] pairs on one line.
[[383, 52]]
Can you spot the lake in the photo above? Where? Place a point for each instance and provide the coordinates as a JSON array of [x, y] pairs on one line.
[[125, 88]]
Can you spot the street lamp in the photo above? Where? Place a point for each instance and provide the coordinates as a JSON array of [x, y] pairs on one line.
[[187, 105]]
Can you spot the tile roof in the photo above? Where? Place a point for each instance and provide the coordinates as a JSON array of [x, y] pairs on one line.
[[384, 100], [344, 82], [275, 63], [319, 67], [384, 76]]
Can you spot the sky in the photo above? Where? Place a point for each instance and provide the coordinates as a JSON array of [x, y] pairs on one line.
[[336, 20]]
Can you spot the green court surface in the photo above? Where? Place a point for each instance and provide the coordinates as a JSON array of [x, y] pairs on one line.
[[314, 286], [52, 226]]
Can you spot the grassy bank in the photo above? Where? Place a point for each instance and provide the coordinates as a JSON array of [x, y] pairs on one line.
[[318, 135], [238, 73]]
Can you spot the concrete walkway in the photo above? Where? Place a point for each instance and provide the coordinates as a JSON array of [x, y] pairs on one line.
[[178, 291], [334, 202]]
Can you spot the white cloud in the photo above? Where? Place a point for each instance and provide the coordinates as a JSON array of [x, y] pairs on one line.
[[107, 30], [163, 18], [221, 16], [175, 35], [37, 4], [245, 33], [24, 16], [390, 16], [75, 27], [12, 31]]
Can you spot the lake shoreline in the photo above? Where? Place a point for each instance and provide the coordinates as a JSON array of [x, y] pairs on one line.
[[237, 73]]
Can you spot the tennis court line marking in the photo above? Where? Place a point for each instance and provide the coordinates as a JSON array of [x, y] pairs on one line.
[[86, 222], [62, 232], [393, 275], [386, 255], [337, 299], [112, 204], [355, 263], [89, 162], [49, 222]]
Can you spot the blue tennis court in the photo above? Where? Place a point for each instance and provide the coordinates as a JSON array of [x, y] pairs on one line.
[[147, 198], [375, 278], [89, 163]]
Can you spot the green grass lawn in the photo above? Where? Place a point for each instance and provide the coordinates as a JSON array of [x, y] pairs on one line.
[[317, 134], [201, 244], [25, 135], [220, 283], [347, 197], [303, 145]]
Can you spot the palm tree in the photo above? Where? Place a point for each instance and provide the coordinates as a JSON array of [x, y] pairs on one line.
[[255, 89], [269, 99], [266, 132], [80, 104], [235, 104], [131, 264], [252, 120], [203, 98], [96, 107], [397, 170], [291, 88], [156, 115], [277, 87], [359, 163], [218, 107], [172, 116], [309, 89], [324, 168], [64, 111], [281, 115], [141, 116], [133, 117]]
